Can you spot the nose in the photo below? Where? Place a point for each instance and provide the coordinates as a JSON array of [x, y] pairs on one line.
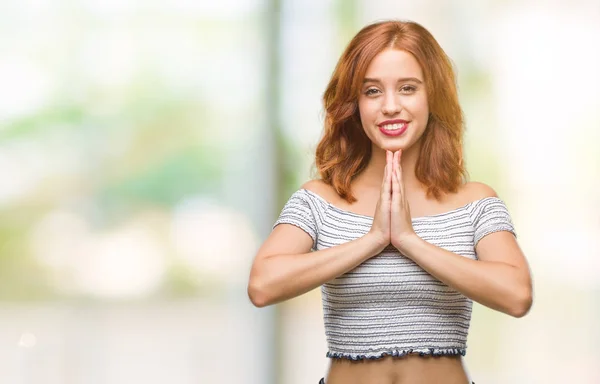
[[391, 105]]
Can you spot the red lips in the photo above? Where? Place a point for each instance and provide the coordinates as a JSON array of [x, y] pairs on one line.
[[395, 132]]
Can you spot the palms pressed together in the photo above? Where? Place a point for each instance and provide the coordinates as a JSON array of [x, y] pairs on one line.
[[392, 221]]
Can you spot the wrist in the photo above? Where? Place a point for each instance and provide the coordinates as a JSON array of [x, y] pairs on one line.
[[376, 243], [407, 242]]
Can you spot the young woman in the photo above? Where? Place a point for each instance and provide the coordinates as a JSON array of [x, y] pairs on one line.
[[397, 239]]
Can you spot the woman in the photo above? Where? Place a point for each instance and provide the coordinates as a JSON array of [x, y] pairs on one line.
[[397, 239]]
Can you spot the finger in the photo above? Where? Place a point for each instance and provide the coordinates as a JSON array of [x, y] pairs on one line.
[[400, 184], [386, 168], [399, 173], [396, 195], [391, 170], [384, 181], [385, 187], [397, 158]]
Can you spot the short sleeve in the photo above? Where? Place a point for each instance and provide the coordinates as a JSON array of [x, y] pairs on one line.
[[491, 215], [300, 211]]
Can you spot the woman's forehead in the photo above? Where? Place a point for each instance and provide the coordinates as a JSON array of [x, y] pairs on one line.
[[392, 64]]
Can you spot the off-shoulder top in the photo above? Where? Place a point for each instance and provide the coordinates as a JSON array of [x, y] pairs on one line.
[[389, 305]]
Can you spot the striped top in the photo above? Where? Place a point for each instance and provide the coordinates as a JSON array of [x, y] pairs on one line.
[[389, 305]]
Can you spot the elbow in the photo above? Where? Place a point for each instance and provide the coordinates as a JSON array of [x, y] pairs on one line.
[[257, 294], [522, 304]]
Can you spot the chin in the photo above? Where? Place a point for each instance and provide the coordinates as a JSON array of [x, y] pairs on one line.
[[393, 146]]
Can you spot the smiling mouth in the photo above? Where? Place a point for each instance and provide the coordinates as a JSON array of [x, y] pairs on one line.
[[394, 129]]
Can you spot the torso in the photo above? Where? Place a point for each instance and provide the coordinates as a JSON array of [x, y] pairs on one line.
[[409, 369]]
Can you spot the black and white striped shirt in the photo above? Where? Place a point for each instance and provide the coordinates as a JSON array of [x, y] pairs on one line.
[[389, 305]]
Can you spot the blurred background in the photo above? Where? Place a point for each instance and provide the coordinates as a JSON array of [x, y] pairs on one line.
[[147, 147]]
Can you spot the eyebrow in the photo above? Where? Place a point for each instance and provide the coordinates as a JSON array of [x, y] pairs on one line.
[[401, 80]]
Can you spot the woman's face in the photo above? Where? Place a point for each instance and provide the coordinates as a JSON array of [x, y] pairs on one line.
[[393, 101]]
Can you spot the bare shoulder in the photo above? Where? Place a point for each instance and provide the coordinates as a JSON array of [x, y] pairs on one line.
[[474, 190], [321, 188], [315, 185]]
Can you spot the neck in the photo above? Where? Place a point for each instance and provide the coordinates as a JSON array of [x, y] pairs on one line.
[[372, 175]]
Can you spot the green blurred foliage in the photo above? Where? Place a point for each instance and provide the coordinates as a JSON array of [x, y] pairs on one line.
[[149, 153]]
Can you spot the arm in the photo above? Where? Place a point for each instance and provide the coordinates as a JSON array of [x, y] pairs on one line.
[[285, 268], [500, 279]]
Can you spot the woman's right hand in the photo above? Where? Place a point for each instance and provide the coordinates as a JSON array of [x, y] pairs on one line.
[[380, 229]]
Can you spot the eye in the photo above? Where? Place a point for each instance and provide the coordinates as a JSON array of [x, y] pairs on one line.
[[408, 89], [371, 91]]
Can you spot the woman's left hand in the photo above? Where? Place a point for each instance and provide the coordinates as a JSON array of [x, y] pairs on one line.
[[400, 223]]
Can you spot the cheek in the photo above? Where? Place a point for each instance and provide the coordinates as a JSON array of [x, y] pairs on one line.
[[418, 107], [367, 111]]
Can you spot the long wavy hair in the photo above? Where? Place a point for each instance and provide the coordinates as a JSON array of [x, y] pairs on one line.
[[344, 150]]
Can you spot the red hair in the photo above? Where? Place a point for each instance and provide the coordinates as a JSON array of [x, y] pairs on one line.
[[345, 149]]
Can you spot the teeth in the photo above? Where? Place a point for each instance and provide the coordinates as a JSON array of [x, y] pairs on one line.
[[392, 127]]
